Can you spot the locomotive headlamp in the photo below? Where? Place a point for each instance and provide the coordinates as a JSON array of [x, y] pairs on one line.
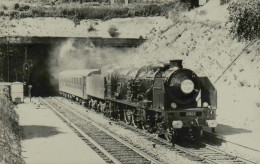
[[205, 104], [187, 86], [212, 123], [173, 105], [177, 124]]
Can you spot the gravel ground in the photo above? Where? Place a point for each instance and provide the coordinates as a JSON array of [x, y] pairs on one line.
[[168, 156], [163, 153]]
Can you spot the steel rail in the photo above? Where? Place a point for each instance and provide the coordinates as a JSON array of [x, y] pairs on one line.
[[82, 133], [208, 150], [136, 150], [203, 154], [116, 137]]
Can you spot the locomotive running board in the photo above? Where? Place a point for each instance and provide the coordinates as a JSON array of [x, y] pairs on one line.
[[123, 102]]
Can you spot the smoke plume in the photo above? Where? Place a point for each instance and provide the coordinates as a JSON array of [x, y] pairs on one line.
[[71, 56]]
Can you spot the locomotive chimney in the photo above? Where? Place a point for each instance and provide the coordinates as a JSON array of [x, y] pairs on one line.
[[176, 63]]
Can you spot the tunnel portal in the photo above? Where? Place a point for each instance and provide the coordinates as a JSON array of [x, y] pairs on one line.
[[26, 59]]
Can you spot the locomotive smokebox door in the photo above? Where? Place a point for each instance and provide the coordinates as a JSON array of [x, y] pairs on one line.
[[208, 93]]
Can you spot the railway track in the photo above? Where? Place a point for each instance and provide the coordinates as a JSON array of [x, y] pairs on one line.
[[109, 146], [222, 138], [205, 154]]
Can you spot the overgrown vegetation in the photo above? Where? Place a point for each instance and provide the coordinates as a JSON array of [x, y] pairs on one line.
[[10, 146], [245, 19], [223, 2], [78, 11]]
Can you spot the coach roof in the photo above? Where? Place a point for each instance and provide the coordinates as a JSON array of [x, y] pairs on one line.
[[82, 72]]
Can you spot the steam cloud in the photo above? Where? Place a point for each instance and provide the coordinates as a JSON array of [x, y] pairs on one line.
[[72, 56]]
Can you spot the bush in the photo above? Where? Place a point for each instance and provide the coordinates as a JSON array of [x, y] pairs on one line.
[[2, 13], [77, 11], [4, 7], [16, 6], [13, 14], [91, 28], [24, 8], [113, 31], [38, 11], [222, 2], [244, 19]]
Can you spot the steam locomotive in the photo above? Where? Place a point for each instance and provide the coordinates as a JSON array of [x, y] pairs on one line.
[[165, 99]]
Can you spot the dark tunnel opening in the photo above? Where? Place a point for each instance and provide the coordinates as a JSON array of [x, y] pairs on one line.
[[28, 63], [37, 61], [43, 84]]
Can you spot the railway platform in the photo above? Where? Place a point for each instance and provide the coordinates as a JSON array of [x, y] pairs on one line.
[[46, 139]]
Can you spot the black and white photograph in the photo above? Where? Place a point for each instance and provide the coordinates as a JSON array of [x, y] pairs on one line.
[[129, 81]]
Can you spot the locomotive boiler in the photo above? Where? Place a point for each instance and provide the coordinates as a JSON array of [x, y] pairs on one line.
[[166, 99]]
